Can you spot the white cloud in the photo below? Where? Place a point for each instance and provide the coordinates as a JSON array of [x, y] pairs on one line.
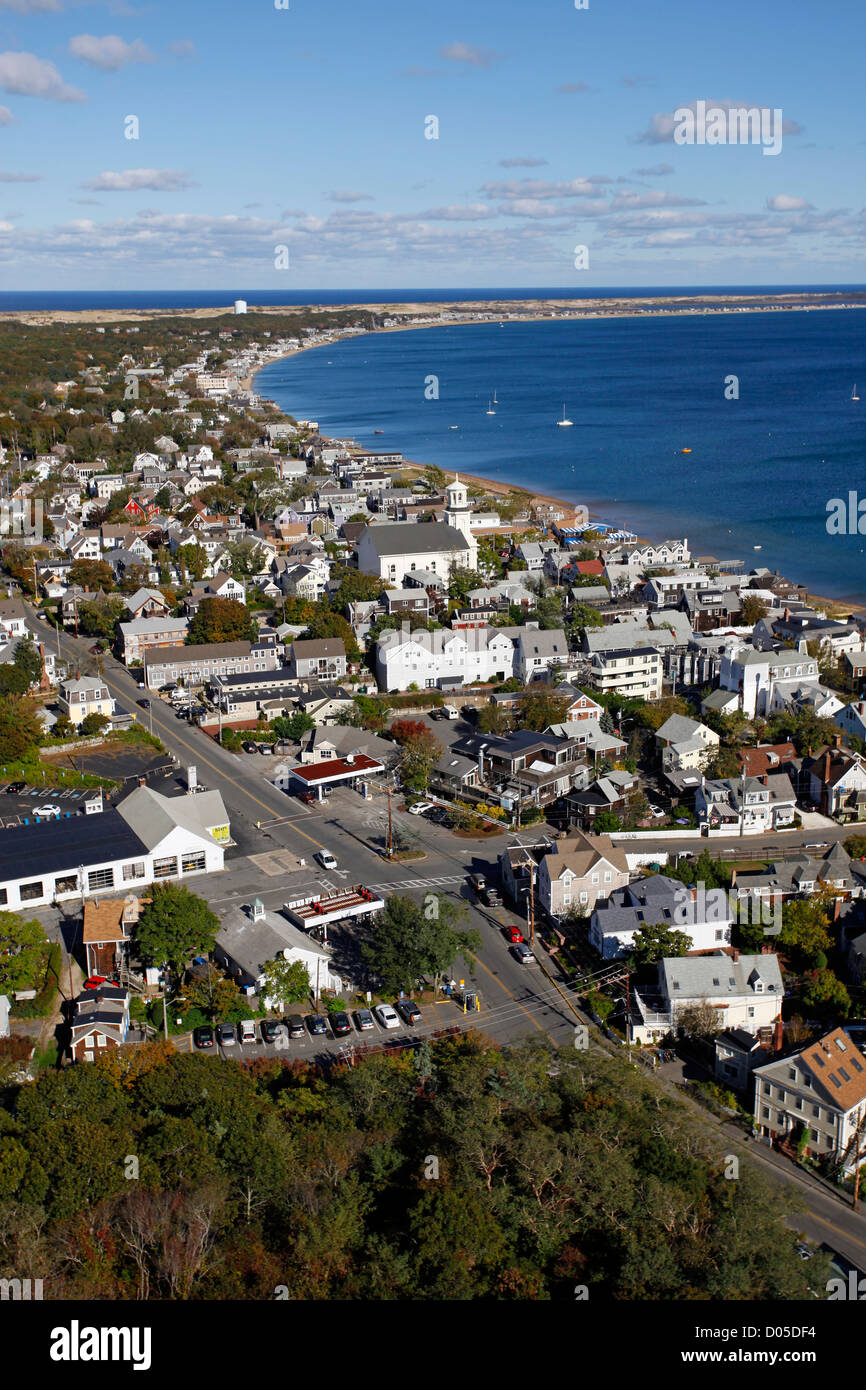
[[182, 48], [525, 161], [19, 178], [29, 76], [653, 199], [471, 212], [466, 53], [349, 196], [6, 117], [110, 52], [654, 171], [133, 180], [541, 188], [784, 202]]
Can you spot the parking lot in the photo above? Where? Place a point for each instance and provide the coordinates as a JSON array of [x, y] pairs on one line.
[[19, 808], [435, 1017]]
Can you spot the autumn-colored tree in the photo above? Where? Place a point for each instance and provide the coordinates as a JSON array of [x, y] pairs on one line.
[[221, 620], [91, 574], [541, 706], [403, 731]]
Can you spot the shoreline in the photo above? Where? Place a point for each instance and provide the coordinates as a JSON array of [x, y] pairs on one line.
[[497, 488]]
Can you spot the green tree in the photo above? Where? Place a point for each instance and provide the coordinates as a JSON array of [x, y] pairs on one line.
[[210, 991], [23, 949], [653, 942], [805, 928], [420, 751], [221, 620], [491, 719], [20, 728], [293, 725], [287, 982], [823, 993], [93, 724], [175, 926], [753, 610], [326, 623], [245, 558], [192, 560], [607, 823], [410, 941], [99, 617]]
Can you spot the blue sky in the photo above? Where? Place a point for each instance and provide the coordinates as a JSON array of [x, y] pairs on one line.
[[305, 128]]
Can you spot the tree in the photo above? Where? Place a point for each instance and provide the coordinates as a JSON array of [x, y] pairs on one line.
[[98, 617], [403, 731], [409, 941], [606, 823], [637, 807], [491, 719], [28, 661], [192, 559], [134, 577], [175, 926], [293, 725], [93, 724], [583, 615], [699, 1020], [91, 574], [246, 557], [210, 991], [326, 623], [420, 751], [20, 728], [286, 982], [724, 763], [654, 942], [753, 610], [855, 846], [540, 706], [22, 953], [805, 928], [221, 620], [824, 993]]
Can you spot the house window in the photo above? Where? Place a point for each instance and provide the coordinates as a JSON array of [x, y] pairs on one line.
[[193, 863], [29, 891], [4, 897], [132, 871], [100, 878], [68, 884], [765, 1112], [165, 868]]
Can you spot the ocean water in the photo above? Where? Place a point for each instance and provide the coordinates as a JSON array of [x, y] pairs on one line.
[[43, 301], [762, 467]]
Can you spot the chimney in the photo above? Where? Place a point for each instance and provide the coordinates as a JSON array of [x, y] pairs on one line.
[[735, 954], [778, 1035], [837, 740]]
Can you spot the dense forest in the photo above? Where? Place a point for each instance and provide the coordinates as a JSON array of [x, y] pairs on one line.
[[456, 1170]]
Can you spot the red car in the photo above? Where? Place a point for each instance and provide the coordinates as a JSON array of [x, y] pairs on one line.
[[514, 935]]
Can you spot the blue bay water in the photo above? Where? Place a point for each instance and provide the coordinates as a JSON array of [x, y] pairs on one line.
[[639, 390]]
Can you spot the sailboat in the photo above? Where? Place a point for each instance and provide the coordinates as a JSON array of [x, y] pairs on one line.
[[854, 395], [564, 421], [495, 401], [490, 410]]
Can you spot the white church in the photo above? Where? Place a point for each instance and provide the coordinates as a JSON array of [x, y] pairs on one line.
[[394, 550]]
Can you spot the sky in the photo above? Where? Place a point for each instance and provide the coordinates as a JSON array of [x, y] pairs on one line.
[[290, 147]]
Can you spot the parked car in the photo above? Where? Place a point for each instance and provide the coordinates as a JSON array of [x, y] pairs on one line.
[[420, 807], [478, 884], [48, 810], [386, 1016], [318, 1025], [225, 1034], [436, 714], [181, 713], [295, 1025], [249, 747], [272, 1029], [408, 1011], [490, 895], [145, 704], [449, 712], [363, 1020], [522, 953], [514, 935], [438, 815], [16, 788], [326, 859], [267, 749], [203, 1036], [341, 1024]]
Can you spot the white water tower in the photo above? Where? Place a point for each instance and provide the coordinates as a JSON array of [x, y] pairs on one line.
[[240, 306]]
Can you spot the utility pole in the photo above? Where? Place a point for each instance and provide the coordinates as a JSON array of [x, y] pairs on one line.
[[390, 829], [531, 901], [164, 996]]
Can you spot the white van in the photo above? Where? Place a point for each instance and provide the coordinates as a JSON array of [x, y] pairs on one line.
[[450, 712], [247, 1030]]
